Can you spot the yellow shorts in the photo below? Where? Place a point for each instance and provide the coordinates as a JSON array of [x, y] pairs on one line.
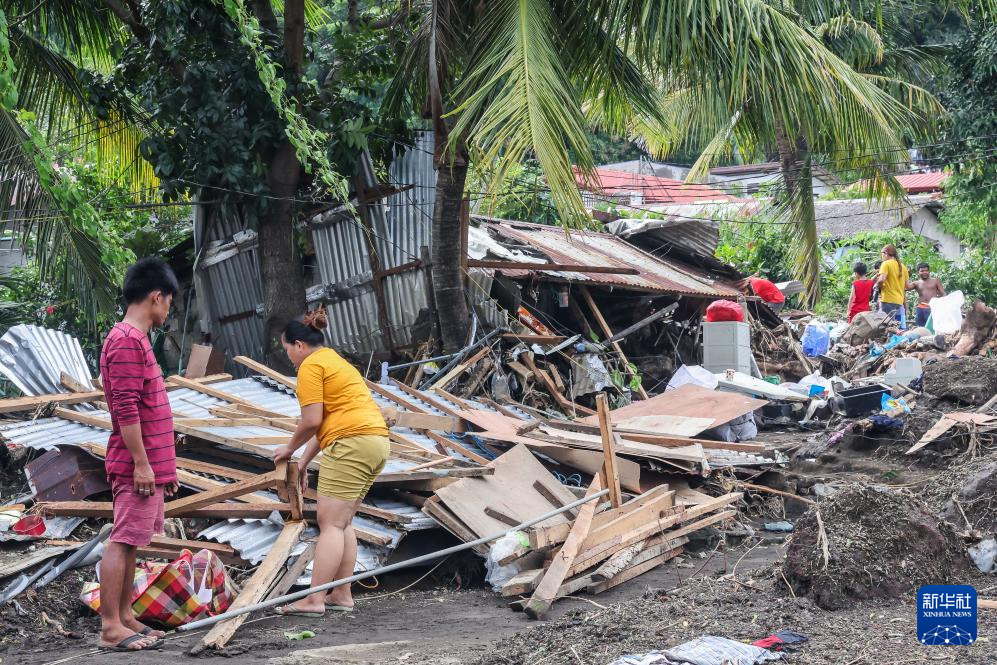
[[349, 466]]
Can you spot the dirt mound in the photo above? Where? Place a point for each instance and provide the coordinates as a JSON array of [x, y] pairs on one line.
[[971, 501], [882, 544], [971, 380]]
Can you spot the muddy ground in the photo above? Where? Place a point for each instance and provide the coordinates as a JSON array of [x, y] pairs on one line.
[[739, 592]]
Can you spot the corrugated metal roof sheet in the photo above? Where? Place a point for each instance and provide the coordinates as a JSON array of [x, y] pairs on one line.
[[33, 358], [649, 188], [574, 247], [923, 183]]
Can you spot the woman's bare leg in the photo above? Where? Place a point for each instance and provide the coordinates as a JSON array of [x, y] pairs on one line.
[[334, 518], [343, 595]]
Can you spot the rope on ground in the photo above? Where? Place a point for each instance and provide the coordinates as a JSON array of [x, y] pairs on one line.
[[406, 588]]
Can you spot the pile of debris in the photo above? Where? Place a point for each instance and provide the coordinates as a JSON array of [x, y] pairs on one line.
[[473, 467]]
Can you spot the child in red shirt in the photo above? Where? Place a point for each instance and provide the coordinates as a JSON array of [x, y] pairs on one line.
[[861, 294]]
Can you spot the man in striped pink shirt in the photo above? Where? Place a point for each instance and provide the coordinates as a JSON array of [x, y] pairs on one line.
[[141, 453]]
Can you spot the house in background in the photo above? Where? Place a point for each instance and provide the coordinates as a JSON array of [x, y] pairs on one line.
[[844, 218], [647, 167], [11, 254], [930, 182], [642, 190], [748, 179]]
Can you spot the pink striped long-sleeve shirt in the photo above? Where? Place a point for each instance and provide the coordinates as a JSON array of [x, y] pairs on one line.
[[135, 393]]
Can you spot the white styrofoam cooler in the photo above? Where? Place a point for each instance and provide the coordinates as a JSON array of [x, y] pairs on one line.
[[727, 345]]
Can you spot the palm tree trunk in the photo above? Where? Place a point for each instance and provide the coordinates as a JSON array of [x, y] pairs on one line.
[[794, 160], [448, 282]]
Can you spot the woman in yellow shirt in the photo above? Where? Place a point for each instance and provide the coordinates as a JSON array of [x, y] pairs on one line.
[[892, 282], [339, 418]]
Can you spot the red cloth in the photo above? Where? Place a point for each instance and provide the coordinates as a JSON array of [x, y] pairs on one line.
[[863, 293], [135, 393], [724, 310], [766, 290]]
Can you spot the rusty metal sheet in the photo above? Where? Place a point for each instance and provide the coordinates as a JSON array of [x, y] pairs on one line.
[[575, 247]]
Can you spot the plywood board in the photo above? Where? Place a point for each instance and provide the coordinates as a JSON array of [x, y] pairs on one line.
[[509, 491], [685, 411], [590, 462]]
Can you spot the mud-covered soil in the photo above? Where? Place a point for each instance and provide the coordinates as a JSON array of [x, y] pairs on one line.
[[749, 608], [971, 380], [869, 542]]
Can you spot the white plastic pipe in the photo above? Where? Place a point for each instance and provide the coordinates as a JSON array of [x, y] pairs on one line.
[[291, 597]]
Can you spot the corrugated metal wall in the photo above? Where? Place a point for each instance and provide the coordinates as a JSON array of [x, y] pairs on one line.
[[402, 224]]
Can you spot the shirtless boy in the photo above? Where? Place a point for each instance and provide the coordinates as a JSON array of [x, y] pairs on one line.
[[927, 288]]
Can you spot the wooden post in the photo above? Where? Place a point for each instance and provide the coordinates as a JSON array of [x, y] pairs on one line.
[[609, 451], [608, 332], [375, 264]]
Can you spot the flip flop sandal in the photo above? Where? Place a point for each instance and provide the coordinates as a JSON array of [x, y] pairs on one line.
[[125, 644], [288, 611], [147, 631], [338, 608]]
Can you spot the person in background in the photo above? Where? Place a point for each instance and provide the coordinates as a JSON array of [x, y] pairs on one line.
[[892, 281], [339, 418], [861, 294], [141, 452], [764, 289], [928, 288], [875, 287]]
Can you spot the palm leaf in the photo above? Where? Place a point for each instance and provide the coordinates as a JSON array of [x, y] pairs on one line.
[[519, 100]]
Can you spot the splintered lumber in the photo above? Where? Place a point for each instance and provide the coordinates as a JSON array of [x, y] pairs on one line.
[[608, 332], [257, 587], [647, 560], [546, 590], [600, 550], [562, 401], [422, 420], [640, 509], [608, 451], [72, 384], [461, 368], [293, 572]]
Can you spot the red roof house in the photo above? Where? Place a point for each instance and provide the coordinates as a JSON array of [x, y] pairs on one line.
[[644, 190]]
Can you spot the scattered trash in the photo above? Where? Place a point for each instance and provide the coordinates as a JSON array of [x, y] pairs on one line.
[[300, 635]]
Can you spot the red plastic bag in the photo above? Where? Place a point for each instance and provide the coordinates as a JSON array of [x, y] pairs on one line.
[[724, 310]]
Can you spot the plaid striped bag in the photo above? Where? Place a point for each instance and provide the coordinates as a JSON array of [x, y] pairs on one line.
[[175, 593]]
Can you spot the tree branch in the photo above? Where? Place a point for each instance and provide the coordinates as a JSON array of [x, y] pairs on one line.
[[131, 17]]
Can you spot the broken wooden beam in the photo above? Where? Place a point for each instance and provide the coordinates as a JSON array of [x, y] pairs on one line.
[[254, 590], [552, 267], [608, 451], [546, 590]]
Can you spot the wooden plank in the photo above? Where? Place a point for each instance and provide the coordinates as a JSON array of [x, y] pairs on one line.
[[588, 559], [552, 267], [71, 384], [15, 404], [524, 582], [608, 451], [292, 487], [637, 568], [983, 603], [546, 591], [943, 425], [608, 332], [83, 418], [500, 516], [452, 398], [423, 420], [701, 407], [221, 510], [659, 498], [260, 368], [256, 588], [643, 323], [460, 368], [445, 517], [250, 444], [193, 545], [293, 572], [178, 507]]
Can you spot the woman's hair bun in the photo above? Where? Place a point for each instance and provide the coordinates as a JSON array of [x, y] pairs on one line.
[[316, 319]]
